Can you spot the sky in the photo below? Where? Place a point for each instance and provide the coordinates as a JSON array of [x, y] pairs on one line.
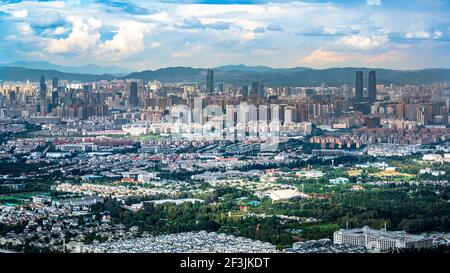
[[150, 34]]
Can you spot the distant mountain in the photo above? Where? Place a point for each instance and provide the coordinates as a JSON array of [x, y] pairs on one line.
[[293, 76], [272, 77], [82, 69], [170, 74], [245, 68], [33, 75]]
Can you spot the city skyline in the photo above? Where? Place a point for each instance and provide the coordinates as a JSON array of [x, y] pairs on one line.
[[139, 35]]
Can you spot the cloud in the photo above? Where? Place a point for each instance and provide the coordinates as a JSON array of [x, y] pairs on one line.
[[259, 30], [423, 35], [391, 56], [124, 6], [129, 40], [155, 45], [328, 31], [51, 19], [332, 32], [194, 23], [275, 27], [374, 2], [84, 35], [320, 57], [363, 42], [23, 13]]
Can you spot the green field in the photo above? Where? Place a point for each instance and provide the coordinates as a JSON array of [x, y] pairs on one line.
[[19, 198]]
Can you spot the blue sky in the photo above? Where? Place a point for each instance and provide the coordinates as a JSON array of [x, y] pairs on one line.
[[401, 34]]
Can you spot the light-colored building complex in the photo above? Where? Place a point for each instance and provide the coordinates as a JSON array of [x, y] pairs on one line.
[[381, 240]]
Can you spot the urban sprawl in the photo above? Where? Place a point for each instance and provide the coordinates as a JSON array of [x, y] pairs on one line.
[[135, 166]]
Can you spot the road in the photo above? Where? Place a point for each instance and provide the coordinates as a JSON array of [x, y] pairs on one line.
[[7, 251]]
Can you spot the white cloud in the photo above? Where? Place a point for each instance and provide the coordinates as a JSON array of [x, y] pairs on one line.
[[155, 45], [84, 35], [373, 2], [421, 34], [129, 40], [23, 13], [328, 32], [364, 42], [320, 57]]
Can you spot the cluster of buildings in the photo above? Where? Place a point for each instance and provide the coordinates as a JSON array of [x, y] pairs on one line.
[[188, 242], [325, 246], [113, 191], [364, 136]]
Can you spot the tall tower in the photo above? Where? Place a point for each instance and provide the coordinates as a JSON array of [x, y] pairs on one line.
[[55, 83], [42, 89], [210, 81], [372, 86], [359, 89], [254, 90], [134, 100], [245, 91]]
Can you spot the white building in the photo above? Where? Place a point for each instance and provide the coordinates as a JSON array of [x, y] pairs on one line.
[[432, 157], [380, 240], [147, 177], [287, 194]]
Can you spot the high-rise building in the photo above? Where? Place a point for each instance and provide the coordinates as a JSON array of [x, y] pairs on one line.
[[210, 81], [245, 91], [254, 90], [55, 96], [372, 86], [42, 89], [55, 83], [359, 89], [221, 87], [134, 100], [261, 92], [12, 97]]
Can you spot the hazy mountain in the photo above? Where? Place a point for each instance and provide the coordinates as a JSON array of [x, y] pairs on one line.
[[273, 77], [294, 76], [82, 69], [33, 75], [171, 74], [245, 68]]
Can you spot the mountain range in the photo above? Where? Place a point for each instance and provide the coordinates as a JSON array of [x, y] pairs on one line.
[[82, 69], [235, 74]]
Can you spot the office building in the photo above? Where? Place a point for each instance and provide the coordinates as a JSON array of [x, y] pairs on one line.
[[245, 91], [133, 99], [372, 86], [381, 240], [359, 89], [42, 89], [55, 83], [210, 81]]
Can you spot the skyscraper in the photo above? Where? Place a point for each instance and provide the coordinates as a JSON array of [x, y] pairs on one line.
[[372, 86], [42, 89], [210, 81], [55, 83], [134, 100], [359, 89], [245, 91], [255, 87]]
